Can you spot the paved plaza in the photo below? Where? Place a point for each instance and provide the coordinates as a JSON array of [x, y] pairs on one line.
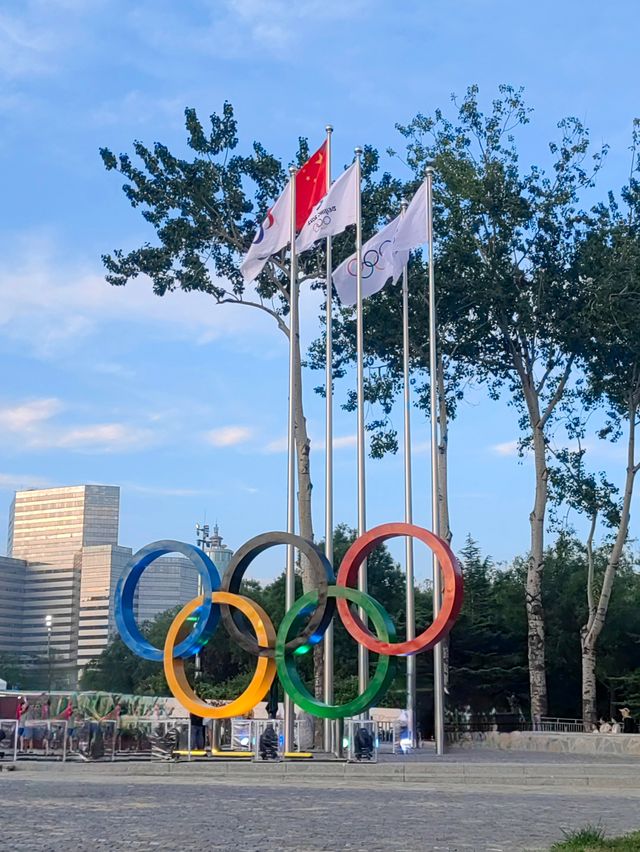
[[84, 808]]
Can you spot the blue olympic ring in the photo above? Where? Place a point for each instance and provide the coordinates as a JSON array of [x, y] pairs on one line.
[[370, 265], [208, 613], [321, 223]]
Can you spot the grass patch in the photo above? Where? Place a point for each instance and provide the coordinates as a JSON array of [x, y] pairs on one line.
[[592, 839]]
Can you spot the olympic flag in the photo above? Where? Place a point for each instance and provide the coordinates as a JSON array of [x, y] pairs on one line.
[[272, 235], [379, 264], [412, 228], [331, 215]]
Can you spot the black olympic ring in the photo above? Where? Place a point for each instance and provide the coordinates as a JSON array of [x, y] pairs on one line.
[[321, 223], [323, 577], [368, 263]]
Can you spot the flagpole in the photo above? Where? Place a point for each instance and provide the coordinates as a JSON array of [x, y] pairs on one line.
[[328, 491], [290, 588], [438, 669], [408, 501], [363, 653]]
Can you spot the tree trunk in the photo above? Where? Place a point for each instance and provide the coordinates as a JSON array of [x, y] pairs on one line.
[[589, 711], [589, 715], [443, 487], [305, 517], [535, 611], [523, 364], [592, 630]]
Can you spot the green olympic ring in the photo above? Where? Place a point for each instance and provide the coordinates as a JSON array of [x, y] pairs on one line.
[[288, 672]]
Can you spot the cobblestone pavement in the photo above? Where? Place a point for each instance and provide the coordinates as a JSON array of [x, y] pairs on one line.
[[63, 812], [489, 755]]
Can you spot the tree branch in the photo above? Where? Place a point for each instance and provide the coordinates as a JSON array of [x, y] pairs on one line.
[[555, 399], [284, 328]]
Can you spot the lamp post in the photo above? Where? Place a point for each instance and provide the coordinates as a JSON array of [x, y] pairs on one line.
[[48, 623]]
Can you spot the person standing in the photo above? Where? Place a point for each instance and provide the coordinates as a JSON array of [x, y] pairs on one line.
[[629, 724], [21, 711]]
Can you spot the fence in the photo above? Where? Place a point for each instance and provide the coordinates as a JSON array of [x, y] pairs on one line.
[[33, 739], [553, 724]]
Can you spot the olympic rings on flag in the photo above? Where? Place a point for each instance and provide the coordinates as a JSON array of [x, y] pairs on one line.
[[321, 222], [371, 260], [308, 618]]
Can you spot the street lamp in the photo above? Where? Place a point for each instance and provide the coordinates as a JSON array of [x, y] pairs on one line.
[[48, 623]]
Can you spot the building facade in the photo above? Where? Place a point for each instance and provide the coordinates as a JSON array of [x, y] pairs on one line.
[[168, 582], [12, 582], [64, 562]]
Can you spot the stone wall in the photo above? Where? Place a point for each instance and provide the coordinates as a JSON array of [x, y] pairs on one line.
[[605, 744]]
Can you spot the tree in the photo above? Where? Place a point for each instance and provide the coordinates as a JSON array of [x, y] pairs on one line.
[[205, 217], [610, 272], [508, 303]]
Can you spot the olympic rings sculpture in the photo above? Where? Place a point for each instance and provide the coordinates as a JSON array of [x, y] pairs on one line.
[[302, 627]]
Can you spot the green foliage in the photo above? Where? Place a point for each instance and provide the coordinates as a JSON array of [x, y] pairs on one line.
[[21, 672], [508, 296], [488, 645], [592, 838]]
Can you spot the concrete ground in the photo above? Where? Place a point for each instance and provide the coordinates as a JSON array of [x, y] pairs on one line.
[[515, 802]]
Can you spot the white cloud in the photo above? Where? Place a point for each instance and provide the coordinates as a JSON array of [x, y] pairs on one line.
[[32, 425], [279, 445], [51, 305], [135, 108], [345, 441], [28, 416], [20, 481], [275, 24], [229, 436], [34, 39], [167, 491], [508, 448], [99, 437]]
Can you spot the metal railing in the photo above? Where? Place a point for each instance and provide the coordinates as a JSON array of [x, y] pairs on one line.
[[33, 739], [556, 724]]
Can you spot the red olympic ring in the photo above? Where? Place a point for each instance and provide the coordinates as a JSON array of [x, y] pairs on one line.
[[451, 599]]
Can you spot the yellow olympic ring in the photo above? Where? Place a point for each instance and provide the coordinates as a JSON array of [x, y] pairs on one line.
[[265, 668]]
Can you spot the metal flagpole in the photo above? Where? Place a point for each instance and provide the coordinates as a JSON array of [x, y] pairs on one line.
[[290, 577], [408, 501], [363, 653], [328, 491], [438, 670]]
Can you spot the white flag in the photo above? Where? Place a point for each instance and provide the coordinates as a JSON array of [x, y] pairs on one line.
[[331, 215], [272, 235], [412, 228], [379, 263]]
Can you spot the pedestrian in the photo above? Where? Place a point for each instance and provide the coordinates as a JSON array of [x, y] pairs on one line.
[[21, 709], [629, 724], [197, 732]]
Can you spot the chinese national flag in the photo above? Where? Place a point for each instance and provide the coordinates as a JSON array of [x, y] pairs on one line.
[[311, 184]]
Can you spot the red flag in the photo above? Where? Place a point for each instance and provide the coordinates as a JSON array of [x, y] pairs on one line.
[[311, 184]]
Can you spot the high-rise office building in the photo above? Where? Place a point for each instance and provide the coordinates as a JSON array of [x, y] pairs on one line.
[[64, 562], [168, 582], [54, 530], [100, 567], [52, 525], [12, 582]]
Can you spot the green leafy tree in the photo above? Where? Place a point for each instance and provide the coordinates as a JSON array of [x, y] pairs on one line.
[[609, 270], [509, 301], [205, 211]]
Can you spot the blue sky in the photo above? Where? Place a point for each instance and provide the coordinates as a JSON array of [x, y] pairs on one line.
[[180, 402]]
